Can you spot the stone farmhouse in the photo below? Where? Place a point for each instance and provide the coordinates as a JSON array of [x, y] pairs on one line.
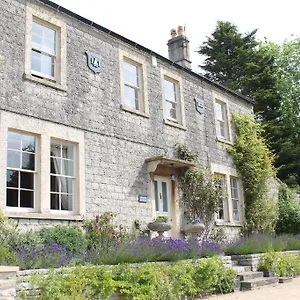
[[89, 121]]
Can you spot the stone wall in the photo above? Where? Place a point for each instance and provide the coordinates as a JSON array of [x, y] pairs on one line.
[[116, 142], [8, 278]]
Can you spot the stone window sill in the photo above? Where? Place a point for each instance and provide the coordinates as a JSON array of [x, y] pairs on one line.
[[134, 111], [173, 124], [46, 82], [222, 140], [228, 224], [44, 216]]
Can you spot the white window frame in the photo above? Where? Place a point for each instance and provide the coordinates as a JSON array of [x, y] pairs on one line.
[[47, 19], [140, 63], [45, 131], [179, 122], [72, 177], [229, 173], [223, 102], [222, 206], [235, 211], [47, 53], [34, 172]]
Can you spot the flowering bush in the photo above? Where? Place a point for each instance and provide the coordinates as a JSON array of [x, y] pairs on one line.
[[196, 220], [102, 234]]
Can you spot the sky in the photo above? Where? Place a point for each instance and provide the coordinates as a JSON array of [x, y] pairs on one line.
[[149, 22]]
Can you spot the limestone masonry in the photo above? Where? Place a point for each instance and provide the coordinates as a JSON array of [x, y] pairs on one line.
[[81, 135]]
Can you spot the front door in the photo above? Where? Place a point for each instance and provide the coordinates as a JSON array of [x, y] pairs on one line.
[[163, 194]]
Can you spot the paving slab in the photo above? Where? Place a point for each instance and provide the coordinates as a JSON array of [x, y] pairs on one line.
[[283, 291]]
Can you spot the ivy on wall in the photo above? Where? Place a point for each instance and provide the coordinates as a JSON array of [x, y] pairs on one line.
[[255, 164]]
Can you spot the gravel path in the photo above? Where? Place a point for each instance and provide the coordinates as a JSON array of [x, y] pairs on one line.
[[283, 291]]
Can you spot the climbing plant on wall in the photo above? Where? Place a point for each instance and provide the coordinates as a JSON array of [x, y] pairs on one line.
[[255, 163]]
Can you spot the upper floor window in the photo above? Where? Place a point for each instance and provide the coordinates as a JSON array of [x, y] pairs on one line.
[[222, 120], [133, 96], [62, 176], [171, 100], [21, 170], [43, 51]]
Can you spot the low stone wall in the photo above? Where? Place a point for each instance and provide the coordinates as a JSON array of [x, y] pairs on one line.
[[253, 260], [8, 277], [23, 277]]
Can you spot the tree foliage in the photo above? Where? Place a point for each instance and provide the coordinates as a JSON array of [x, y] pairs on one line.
[[255, 164]]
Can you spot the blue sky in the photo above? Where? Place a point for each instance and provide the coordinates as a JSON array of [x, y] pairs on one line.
[[149, 23]]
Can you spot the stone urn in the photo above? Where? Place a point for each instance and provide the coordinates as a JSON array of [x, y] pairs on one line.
[[159, 227], [193, 229]]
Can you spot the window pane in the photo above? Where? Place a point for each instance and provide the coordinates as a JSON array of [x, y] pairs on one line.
[[13, 159], [55, 149], [67, 151], [67, 167], [27, 180], [219, 111], [156, 195], [14, 140], [171, 110], [55, 166], [42, 63], [54, 201], [28, 143], [12, 198], [37, 29], [66, 202], [170, 91], [66, 185], [164, 196], [28, 161], [54, 184], [26, 199], [131, 97], [130, 74], [12, 178]]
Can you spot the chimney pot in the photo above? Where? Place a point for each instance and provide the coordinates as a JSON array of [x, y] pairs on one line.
[[173, 33], [179, 30]]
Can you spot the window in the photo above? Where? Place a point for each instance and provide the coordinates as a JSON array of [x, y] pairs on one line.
[[221, 120], [235, 198], [133, 96], [62, 176], [172, 107], [44, 173], [230, 208], [21, 170], [220, 181], [43, 51]]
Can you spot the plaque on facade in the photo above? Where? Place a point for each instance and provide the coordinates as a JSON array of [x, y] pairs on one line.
[[94, 61], [199, 104]]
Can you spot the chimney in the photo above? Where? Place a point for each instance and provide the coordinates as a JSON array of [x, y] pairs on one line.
[[178, 47]]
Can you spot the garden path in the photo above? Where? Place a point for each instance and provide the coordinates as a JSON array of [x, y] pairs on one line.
[[283, 291]]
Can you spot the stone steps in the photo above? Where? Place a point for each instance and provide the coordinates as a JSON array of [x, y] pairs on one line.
[[253, 284]]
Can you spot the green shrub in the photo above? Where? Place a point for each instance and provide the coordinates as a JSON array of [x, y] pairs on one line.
[[280, 264], [7, 257], [289, 212], [141, 282], [69, 236]]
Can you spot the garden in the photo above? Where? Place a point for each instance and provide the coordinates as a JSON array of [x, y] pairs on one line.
[[100, 258]]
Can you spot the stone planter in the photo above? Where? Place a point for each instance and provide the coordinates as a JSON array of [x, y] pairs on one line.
[[193, 229], [269, 273], [159, 227]]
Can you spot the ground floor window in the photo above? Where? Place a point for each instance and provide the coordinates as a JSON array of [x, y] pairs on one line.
[[230, 208]]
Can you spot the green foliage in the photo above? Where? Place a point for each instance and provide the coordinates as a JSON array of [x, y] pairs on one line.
[[254, 162], [140, 282], [184, 153], [262, 243], [101, 233], [289, 212], [69, 236], [7, 257], [79, 284], [280, 264], [163, 219], [200, 196]]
